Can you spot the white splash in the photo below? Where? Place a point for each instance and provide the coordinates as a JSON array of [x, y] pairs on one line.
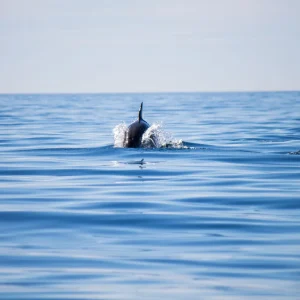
[[119, 135], [154, 137]]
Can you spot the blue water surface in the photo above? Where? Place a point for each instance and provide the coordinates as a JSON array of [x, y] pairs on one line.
[[216, 219]]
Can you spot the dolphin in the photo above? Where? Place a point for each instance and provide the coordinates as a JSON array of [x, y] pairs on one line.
[[135, 131]]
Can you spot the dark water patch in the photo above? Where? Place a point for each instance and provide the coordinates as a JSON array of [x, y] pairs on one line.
[[283, 275], [144, 221], [117, 205], [258, 159], [51, 280], [37, 261], [85, 172], [295, 153], [205, 243], [247, 263], [270, 201], [65, 151]]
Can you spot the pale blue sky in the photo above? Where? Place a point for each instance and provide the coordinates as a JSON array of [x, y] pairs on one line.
[[149, 45]]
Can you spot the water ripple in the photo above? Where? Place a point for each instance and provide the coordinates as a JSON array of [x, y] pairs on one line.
[[219, 217]]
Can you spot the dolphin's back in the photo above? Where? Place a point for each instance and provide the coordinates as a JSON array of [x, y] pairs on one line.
[[135, 133]]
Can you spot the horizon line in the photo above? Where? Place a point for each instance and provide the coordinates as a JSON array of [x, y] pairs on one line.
[[150, 92]]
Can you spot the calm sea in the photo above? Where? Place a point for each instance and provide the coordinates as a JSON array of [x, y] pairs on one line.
[[218, 218]]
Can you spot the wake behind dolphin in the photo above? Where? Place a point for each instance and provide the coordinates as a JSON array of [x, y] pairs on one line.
[[140, 134]]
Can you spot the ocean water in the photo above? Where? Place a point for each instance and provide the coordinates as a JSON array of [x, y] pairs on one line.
[[214, 216]]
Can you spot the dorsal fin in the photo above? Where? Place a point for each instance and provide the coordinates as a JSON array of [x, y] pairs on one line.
[[141, 112]]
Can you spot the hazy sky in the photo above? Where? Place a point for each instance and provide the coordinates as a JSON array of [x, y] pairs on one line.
[[149, 45]]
